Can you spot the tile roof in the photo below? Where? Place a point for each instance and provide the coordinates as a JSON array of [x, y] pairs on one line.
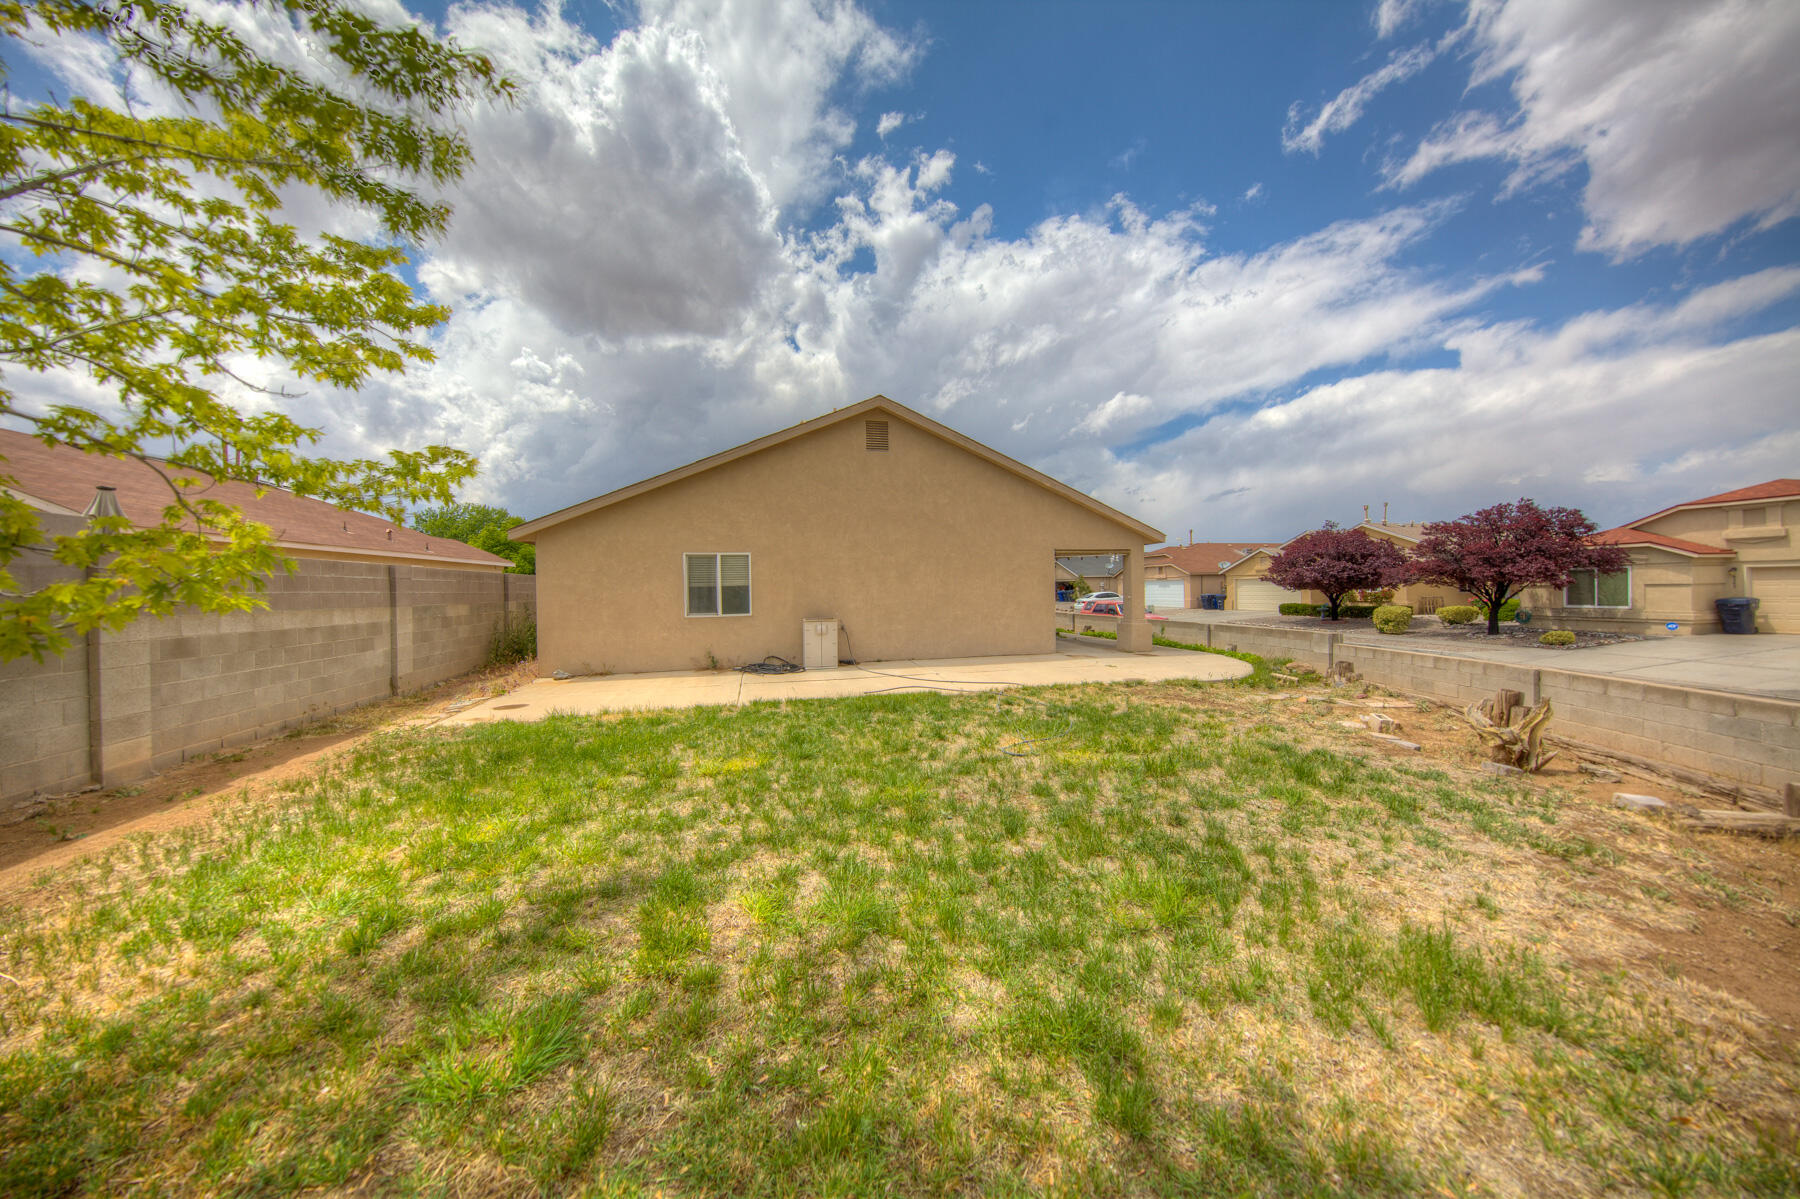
[[1774, 489], [67, 477], [1626, 535], [1203, 557]]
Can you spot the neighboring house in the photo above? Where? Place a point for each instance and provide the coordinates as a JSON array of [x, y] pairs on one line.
[[1246, 589], [848, 518], [1176, 576], [60, 481], [1099, 572], [1683, 558]]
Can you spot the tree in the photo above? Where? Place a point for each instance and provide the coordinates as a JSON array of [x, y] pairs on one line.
[[148, 254], [1496, 553], [1336, 562], [481, 526]]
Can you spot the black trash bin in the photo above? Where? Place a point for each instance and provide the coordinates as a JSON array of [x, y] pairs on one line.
[[1737, 613]]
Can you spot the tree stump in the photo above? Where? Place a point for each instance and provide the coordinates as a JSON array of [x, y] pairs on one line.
[[1514, 735]]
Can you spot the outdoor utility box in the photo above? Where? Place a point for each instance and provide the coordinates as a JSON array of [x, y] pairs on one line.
[[1737, 613], [819, 644]]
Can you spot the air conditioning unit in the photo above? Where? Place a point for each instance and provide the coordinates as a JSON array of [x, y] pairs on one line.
[[819, 644]]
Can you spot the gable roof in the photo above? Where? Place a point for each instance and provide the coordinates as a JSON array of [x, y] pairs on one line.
[[62, 479], [1266, 549], [1207, 557], [1626, 535], [1774, 489], [1092, 566], [1410, 531], [878, 403]]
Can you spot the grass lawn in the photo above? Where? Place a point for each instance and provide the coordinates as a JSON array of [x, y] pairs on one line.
[[1149, 939]]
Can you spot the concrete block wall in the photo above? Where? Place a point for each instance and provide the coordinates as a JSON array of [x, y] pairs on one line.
[[1751, 742], [322, 645], [118, 706]]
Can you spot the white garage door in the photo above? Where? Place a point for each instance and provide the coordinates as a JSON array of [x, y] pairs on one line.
[[1778, 587], [1163, 593], [1254, 595]]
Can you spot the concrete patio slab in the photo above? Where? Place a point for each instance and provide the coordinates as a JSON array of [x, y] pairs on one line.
[[689, 689]]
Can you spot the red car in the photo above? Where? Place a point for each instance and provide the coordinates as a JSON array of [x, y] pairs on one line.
[[1112, 608]]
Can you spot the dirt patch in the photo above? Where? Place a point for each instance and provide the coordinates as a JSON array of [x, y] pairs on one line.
[[73, 828]]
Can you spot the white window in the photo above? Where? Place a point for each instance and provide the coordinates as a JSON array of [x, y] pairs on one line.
[[717, 584], [1590, 589]]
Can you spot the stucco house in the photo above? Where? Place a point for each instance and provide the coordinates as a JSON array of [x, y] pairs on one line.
[[846, 518], [1684, 557], [1247, 589], [1176, 576]]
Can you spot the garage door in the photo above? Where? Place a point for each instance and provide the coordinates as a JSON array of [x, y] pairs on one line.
[[1778, 587], [1254, 595], [1163, 593]]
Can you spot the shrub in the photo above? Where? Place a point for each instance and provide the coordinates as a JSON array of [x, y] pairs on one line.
[[1299, 609], [516, 643], [1508, 610], [1458, 613], [1358, 611], [1557, 637], [1393, 618]]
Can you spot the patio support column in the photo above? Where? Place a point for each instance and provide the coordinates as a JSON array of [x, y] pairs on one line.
[[1134, 630]]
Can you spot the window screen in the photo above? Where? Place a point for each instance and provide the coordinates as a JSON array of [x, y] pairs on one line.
[[718, 584], [1587, 589], [734, 584], [702, 584]]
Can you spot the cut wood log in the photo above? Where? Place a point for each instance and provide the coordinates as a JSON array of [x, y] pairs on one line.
[[1519, 743], [1377, 723], [1762, 824]]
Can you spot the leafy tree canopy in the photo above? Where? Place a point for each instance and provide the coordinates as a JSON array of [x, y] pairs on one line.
[[144, 248], [1496, 553], [1336, 562], [481, 526]]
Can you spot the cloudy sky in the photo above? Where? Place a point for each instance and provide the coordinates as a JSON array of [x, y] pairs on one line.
[[1235, 268]]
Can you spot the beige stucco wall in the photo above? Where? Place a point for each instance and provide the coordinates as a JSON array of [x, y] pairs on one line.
[[1763, 539], [832, 531], [1665, 587]]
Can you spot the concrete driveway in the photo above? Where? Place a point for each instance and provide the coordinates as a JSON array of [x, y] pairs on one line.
[[697, 688]]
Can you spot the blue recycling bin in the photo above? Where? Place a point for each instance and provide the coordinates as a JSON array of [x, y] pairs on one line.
[[1737, 613]]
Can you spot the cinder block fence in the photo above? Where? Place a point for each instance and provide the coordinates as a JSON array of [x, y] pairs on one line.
[[1750, 743], [335, 634]]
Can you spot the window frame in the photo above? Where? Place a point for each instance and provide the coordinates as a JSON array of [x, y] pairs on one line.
[[1598, 575], [718, 584]]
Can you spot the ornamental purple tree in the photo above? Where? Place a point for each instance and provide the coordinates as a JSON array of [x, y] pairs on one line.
[[1496, 553], [1336, 562]]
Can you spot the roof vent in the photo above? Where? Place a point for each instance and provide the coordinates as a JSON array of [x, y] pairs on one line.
[[875, 436], [104, 503]]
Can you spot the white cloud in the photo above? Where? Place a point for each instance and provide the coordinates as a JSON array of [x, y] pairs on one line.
[[1683, 114], [1346, 108], [1600, 411], [889, 122], [1254, 191]]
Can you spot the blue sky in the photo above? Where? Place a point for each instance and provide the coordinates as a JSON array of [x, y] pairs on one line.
[[1239, 268]]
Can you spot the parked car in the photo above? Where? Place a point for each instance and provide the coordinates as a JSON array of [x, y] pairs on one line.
[[1101, 597], [1111, 607]]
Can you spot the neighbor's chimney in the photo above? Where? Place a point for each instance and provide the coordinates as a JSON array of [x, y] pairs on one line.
[[1190, 536], [1365, 514], [104, 503], [1384, 505]]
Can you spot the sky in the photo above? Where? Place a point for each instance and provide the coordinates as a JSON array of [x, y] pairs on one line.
[[1233, 268]]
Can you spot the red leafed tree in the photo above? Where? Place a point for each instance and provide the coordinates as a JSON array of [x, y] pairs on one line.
[[1336, 562], [1497, 552]]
